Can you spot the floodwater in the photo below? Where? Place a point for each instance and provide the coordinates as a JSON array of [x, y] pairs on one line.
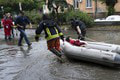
[[37, 63]]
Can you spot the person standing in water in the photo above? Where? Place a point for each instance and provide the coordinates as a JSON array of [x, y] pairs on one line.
[[52, 34], [21, 22]]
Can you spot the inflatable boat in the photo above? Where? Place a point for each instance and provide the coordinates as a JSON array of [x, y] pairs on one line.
[[102, 46], [93, 55]]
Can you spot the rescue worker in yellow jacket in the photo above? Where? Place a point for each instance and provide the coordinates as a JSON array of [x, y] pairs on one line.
[[52, 34]]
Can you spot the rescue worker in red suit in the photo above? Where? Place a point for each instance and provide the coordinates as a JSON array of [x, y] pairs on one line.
[[74, 42], [12, 31], [7, 24]]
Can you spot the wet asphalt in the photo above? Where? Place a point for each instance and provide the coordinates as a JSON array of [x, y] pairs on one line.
[[37, 63]]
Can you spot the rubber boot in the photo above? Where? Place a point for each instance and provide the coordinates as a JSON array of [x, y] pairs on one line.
[[57, 53], [10, 38], [61, 52], [6, 38]]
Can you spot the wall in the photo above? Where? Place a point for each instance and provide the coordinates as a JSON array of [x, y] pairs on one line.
[[101, 7], [117, 6], [82, 7]]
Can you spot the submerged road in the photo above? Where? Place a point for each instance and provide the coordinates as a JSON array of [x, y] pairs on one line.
[[37, 63]]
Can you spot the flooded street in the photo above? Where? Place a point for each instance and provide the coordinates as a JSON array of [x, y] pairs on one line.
[[37, 63]]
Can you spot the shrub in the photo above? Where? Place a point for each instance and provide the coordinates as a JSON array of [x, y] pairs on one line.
[[34, 16], [61, 18]]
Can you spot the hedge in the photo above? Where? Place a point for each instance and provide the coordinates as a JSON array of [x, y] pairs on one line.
[[62, 18]]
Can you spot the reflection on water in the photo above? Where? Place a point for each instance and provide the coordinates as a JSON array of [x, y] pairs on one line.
[[25, 51]]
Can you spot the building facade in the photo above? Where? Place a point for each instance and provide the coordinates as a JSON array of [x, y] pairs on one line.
[[91, 6]]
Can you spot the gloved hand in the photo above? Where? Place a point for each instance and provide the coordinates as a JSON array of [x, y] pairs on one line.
[[80, 36], [36, 38], [62, 37]]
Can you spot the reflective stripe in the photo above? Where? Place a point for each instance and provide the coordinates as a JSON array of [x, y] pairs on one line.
[[60, 34], [56, 30], [48, 31], [52, 37]]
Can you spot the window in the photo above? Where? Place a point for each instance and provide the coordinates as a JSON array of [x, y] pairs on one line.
[[88, 3], [76, 4]]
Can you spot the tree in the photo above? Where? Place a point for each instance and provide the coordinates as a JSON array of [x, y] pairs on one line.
[[110, 6], [55, 5], [27, 5], [14, 1]]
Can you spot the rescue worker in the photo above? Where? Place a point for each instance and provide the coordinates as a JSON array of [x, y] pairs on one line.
[[21, 22], [80, 27], [74, 42], [52, 35], [7, 23]]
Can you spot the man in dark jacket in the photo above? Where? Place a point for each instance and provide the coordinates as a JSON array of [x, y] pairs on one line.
[[21, 22], [52, 34], [80, 27]]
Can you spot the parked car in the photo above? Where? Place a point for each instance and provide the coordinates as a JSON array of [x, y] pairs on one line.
[[109, 18]]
